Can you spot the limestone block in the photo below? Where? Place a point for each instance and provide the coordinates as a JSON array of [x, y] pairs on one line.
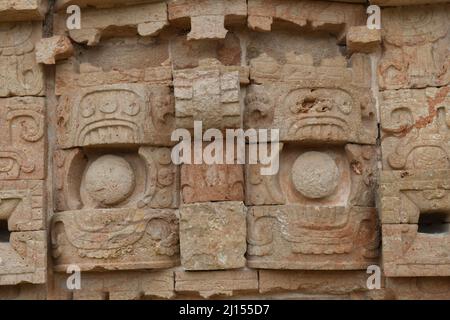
[[20, 73], [61, 5], [120, 60], [116, 285], [363, 39], [217, 182], [22, 146], [212, 235], [207, 18], [419, 288], [414, 129], [341, 283], [417, 250], [22, 205], [209, 93], [143, 19], [23, 257], [23, 10], [316, 176], [405, 195], [115, 239], [23, 292], [301, 67], [212, 182], [187, 54], [48, 50], [114, 115], [416, 42], [414, 207], [312, 237], [216, 283], [88, 179], [320, 15]]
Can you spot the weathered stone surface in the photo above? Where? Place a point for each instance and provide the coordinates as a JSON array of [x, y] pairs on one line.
[[363, 39], [325, 104], [416, 42], [88, 180], [23, 292], [308, 176], [212, 235], [96, 66], [216, 283], [212, 182], [312, 238], [426, 288], [115, 239], [301, 67], [116, 285], [48, 50], [414, 129], [23, 10], [22, 205], [20, 73], [116, 114], [414, 206], [324, 219], [23, 258], [141, 19], [139, 69], [218, 182], [22, 146], [344, 284], [414, 250], [187, 54], [320, 15], [207, 18], [208, 93], [405, 195], [64, 4]]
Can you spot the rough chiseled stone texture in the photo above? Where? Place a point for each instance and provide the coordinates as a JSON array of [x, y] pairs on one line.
[[87, 115], [145, 19], [212, 235], [23, 10], [216, 283], [21, 74], [23, 128], [48, 50], [209, 93], [414, 189], [416, 44]]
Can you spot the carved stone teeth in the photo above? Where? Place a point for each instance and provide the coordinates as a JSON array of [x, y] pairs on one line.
[[326, 132], [316, 131]]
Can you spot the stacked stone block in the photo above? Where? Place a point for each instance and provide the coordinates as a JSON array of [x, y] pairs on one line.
[[363, 175], [23, 211], [413, 77]]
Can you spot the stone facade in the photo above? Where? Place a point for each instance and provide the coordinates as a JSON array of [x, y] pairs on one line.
[[87, 178]]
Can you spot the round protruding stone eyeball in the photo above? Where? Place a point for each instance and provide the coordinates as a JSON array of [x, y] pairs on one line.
[[110, 180], [315, 175]]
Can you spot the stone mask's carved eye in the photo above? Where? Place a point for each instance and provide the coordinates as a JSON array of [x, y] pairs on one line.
[[132, 108], [345, 107], [88, 108], [109, 106]]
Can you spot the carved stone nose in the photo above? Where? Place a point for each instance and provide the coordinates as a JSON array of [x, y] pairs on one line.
[[323, 106]]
